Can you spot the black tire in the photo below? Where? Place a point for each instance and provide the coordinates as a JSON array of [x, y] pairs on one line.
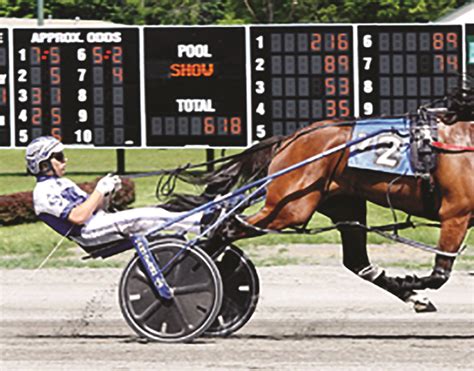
[[241, 291], [197, 299]]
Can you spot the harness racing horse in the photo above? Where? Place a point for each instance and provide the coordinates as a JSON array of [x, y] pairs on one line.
[[332, 188]]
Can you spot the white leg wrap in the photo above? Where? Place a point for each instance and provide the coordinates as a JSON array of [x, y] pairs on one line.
[[370, 273]]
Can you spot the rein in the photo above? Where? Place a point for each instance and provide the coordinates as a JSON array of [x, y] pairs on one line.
[[190, 166], [271, 142], [167, 182], [262, 182]]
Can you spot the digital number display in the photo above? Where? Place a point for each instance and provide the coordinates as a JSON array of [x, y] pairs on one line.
[[195, 86], [403, 67], [470, 51], [222, 86], [4, 91], [300, 75], [79, 85]]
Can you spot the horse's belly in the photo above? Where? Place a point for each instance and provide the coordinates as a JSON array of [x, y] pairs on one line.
[[400, 192]]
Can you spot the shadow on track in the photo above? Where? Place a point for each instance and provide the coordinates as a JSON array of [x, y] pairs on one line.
[[123, 338], [295, 337], [347, 336]]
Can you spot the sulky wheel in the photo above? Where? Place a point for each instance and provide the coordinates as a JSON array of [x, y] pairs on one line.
[[241, 289], [197, 294]]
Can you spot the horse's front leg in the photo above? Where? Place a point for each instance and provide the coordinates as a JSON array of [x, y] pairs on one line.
[[453, 231]]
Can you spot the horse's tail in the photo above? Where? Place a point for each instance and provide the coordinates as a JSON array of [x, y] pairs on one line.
[[236, 170]]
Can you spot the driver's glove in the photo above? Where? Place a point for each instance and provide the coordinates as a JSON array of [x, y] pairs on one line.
[[108, 184]]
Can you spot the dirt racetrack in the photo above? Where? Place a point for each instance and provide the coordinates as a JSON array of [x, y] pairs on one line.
[[308, 317]]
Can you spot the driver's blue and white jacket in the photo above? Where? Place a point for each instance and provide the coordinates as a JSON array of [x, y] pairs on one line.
[[53, 200]]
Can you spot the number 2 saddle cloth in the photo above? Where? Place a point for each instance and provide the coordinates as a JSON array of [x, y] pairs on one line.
[[405, 151]]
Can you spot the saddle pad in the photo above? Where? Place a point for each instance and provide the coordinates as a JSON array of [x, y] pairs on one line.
[[387, 152]]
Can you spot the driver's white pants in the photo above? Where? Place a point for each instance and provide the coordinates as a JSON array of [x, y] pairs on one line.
[[107, 227]]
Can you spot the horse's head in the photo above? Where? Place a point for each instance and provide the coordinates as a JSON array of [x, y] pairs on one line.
[[460, 105]]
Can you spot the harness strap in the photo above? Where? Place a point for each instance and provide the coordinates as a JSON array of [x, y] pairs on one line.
[[429, 196], [452, 147]]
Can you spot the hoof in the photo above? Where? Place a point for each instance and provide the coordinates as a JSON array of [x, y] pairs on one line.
[[421, 304], [424, 307]]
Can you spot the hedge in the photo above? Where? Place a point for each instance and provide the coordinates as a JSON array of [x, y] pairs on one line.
[[17, 208]]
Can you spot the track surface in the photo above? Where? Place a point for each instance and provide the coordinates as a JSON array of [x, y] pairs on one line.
[[308, 317]]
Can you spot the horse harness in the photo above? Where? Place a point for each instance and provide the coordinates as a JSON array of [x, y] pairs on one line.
[[423, 156], [424, 131]]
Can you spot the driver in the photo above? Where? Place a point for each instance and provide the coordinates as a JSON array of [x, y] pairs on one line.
[[70, 211]]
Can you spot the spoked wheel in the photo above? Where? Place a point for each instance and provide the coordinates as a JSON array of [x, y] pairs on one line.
[[241, 289], [197, 294]]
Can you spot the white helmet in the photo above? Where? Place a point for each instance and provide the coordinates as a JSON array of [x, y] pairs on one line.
[[40, 150]]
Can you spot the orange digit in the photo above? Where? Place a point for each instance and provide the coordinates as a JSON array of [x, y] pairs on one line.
[[344, 86], [344, 108], [3, 96], [55, 75], [117, 54], [452, 60], [343, 61], [440, 59], [329, 64], [225, 124], [97, 55], [55, 56], [55, 116], [342, 41], [56, 132], [209, 127], [36, 116], [35, 55], [235, 125], [438, 41], [36, 95], [117, 72], [330, 85], [332, 40], [316, 42], [331, 108]]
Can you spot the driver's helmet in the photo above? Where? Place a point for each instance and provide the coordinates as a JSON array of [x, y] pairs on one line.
[[40, 150]]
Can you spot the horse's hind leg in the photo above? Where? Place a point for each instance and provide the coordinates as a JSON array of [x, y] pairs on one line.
[[354, 239], [294, 209]]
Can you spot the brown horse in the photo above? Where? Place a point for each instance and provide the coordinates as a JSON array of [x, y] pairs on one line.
[[332, 188]]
